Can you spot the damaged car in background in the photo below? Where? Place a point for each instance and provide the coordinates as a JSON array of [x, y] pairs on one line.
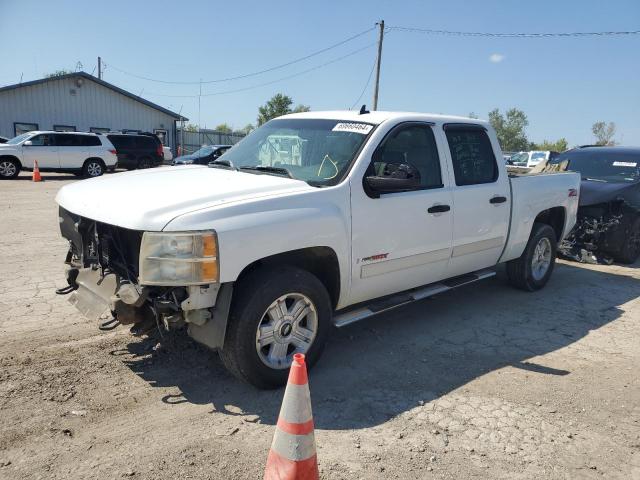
[[608, 225]]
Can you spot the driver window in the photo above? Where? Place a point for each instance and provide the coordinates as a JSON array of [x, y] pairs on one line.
[[412, 145], [42, 140]]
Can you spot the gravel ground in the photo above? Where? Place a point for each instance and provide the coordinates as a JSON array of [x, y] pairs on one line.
[[482, 382]]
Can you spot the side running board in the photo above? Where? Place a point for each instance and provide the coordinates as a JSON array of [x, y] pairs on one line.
[[351, 315]]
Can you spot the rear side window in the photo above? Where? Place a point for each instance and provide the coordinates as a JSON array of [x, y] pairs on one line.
[[146, 143], [472, 155], [90, 141], [121, 141], [65, 140]]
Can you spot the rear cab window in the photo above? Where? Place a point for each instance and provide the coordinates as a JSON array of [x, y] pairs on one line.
[[471, 154]]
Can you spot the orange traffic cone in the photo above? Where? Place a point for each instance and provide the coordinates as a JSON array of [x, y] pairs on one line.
[[36, 172], [293, 450]]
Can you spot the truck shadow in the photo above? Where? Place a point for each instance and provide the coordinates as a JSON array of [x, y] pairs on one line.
[[375, 370]]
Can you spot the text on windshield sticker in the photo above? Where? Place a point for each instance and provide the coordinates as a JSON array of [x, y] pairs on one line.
[[625, 164], [362, 128]]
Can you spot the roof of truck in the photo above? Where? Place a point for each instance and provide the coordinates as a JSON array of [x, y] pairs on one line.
[[377, 117]]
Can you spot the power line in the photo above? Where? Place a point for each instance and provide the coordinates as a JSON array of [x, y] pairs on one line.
[[365, 85], [513, 35], [247, 75], [303, 72]]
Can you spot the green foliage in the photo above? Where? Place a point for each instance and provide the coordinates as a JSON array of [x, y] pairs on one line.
[[246, 129], [191, 127], [57, 73], [473, 115], [224, 128], [277, 106], [604, 133], [559, 145], [510, 129]]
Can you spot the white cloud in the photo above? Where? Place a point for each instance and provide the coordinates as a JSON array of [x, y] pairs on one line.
[[496, 57]]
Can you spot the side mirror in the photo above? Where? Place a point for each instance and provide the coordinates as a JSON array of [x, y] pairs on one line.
[[28, 143], [399, 178]]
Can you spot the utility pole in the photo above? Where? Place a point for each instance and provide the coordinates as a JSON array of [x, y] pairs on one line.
[[100, 68], [377, 84]]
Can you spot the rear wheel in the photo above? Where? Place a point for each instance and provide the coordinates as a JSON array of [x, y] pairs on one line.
[[144, 162], [630, 251], [275, 314], [92, 168], [533, 269], [9, 169]]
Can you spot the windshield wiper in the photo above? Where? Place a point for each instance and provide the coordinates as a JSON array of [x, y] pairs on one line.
[[281, 171], [595, 179], [222, 164]]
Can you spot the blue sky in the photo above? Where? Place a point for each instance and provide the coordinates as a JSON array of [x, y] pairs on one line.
[[564, 85]]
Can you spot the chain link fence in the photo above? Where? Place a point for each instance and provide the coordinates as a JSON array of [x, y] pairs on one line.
[[190, 141]]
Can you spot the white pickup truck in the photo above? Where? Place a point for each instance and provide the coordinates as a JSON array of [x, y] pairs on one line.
[[314, 220]]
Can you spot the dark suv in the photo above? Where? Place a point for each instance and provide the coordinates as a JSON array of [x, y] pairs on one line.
[[142, 150]]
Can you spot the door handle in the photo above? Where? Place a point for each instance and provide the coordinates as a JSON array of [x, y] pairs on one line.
[[438, 208], [498, 199]]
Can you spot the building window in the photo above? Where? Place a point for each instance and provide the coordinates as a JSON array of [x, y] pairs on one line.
[[162, 135], [21, 127], [64, 128], [99, 130]]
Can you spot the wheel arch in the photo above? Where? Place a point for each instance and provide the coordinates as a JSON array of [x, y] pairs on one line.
[[555, 217], [12, 157], [319, 261]]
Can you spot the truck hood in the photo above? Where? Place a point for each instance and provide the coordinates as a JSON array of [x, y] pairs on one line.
[[150, 199]]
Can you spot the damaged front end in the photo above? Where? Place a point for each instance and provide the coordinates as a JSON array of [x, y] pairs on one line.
[[145, 279]]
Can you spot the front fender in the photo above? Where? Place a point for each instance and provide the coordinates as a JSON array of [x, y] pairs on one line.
[[252, 231]]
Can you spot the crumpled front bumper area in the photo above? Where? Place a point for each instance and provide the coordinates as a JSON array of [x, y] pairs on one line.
[[93, 297]]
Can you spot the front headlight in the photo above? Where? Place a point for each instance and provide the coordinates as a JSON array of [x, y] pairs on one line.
[[178, 259]]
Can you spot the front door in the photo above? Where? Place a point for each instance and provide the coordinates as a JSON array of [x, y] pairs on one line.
[[401, 240], [43, 150], [481, 198]]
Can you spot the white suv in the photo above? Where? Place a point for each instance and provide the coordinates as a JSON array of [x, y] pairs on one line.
[[86, 154]]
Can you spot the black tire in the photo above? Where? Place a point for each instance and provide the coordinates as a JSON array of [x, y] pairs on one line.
[[145, 162], [9, 169], [94, 167], [520, 271], [251, 299], [630, 250]]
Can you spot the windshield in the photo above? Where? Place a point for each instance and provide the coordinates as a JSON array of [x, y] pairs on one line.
[[522, 157], [621, 167], [18, 139], [203, 151], [318, 152], [537, 156]]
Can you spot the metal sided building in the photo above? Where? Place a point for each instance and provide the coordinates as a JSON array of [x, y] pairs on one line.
[[83, 103]]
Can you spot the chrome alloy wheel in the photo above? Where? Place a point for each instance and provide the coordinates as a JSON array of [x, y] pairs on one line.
[[7, 169], [541, 259], [288, 326], [94, 169]]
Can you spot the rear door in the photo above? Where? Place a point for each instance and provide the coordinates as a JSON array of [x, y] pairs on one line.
[[43, 149], [401, 240], [481, 198], [71, 150]]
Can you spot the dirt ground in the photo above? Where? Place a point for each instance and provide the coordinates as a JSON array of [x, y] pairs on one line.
[[482, 382]]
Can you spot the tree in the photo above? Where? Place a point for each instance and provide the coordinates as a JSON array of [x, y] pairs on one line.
[[57, 73], [277, 106], [559, 145], [190, 127], [246, 129], [510, 129], [473, 115], [604, 133], [224, 128]]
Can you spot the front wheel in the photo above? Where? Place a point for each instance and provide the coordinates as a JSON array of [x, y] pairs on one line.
[[275, 314], [630, 250], [533, 269], [9, 169], [92, 168]]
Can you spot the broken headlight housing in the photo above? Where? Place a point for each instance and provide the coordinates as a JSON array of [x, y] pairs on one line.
[[179, 259]]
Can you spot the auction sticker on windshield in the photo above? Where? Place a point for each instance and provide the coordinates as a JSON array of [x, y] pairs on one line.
[[625, 164], [353, 127]]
